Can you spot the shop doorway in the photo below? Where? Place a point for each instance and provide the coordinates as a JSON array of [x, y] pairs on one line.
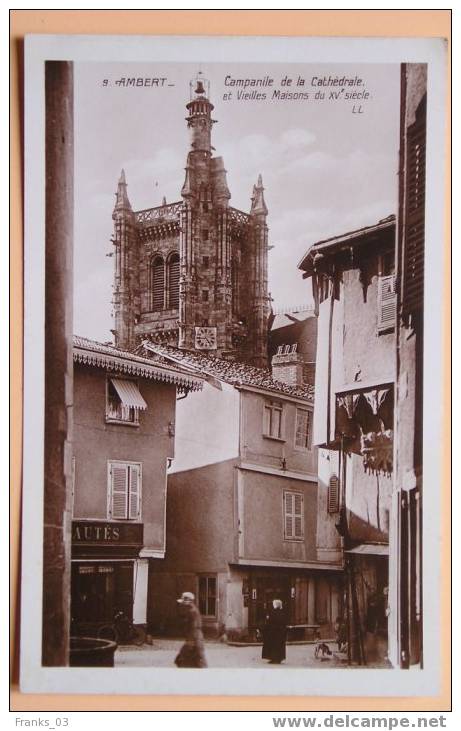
[[98, 591], [263, 589]]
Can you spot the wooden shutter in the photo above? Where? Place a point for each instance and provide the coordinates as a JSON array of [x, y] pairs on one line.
[[289, 515], [386, 302], [158, 283], [134, 492], [173, 282], [333, 494], [298, 515], [118, 502], [415, 197], [294, 515]]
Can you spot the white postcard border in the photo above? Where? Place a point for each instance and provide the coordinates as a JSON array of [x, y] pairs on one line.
[[262, 682]]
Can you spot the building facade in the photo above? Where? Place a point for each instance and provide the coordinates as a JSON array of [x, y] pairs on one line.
[[409, 364], [293, 345], [194, 273], [123, 406], [242, 506], [353, 280]]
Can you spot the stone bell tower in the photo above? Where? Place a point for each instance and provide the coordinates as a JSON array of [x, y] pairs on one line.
[[194, 273], [205, 316]]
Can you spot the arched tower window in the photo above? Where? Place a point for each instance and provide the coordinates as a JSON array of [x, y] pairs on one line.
[[157, 283], [173, 282]]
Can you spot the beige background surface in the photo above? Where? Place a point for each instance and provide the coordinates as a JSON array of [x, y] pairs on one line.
[[387, 23]]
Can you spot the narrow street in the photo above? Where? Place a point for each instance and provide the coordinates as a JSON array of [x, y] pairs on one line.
[[219, 655]]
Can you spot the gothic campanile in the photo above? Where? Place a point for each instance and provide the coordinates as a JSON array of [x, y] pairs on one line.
[[194, 273]]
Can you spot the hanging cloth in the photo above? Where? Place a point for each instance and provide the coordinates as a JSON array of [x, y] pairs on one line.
[[375, 398], [349, 402]]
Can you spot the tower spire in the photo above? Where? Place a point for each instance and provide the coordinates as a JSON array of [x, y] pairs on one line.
[[258, 204], [121, 196]]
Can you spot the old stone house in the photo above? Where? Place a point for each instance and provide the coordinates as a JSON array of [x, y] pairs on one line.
[[124, 421], [353, 281], [242, 505]]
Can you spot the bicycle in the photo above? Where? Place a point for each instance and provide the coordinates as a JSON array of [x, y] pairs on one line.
[[122, 631]]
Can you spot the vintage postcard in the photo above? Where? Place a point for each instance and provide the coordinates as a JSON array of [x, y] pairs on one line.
[[233, 297]]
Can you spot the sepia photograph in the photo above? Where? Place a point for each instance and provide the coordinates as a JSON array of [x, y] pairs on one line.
[[232, 250]]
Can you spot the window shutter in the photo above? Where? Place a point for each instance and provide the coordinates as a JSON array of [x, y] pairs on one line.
[[173, 282], [333, 494], [294, 515], [386, 302], [119, 491], [298, 515], [289, 515], [135, 491], [158, 283], [415, 189]]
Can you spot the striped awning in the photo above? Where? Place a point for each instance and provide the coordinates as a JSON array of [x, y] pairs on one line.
[[128, 393]]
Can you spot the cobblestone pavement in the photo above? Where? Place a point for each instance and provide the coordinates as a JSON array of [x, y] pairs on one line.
[[219, 655]]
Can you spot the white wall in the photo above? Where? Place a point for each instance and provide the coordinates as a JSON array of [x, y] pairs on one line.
[[321, 369], [207, 428], [140, 579]]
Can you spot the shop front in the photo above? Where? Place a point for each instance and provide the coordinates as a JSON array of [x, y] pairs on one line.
[[311, 599], [107, 575], [368, 571]]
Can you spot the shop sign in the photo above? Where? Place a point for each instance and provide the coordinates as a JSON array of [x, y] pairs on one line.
[[86, 532]]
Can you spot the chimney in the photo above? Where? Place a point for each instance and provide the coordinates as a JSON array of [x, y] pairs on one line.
[[288, 365]]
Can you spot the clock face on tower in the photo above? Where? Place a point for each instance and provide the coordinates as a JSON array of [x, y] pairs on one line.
[[205, 338]]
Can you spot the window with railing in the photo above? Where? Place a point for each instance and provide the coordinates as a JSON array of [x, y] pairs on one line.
[[123, 401], [207, 595]]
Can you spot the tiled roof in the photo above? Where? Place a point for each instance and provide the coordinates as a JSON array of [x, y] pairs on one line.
[[346, 238], [287, 317], [234, 373], [106, 355]]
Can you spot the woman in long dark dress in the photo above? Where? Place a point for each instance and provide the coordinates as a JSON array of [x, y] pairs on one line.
[[192, 653], [275, 634]]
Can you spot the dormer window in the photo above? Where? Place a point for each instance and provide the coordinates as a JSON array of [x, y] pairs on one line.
[[123, 401]]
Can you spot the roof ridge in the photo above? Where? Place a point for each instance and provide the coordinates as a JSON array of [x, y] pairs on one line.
[[232, 372]]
